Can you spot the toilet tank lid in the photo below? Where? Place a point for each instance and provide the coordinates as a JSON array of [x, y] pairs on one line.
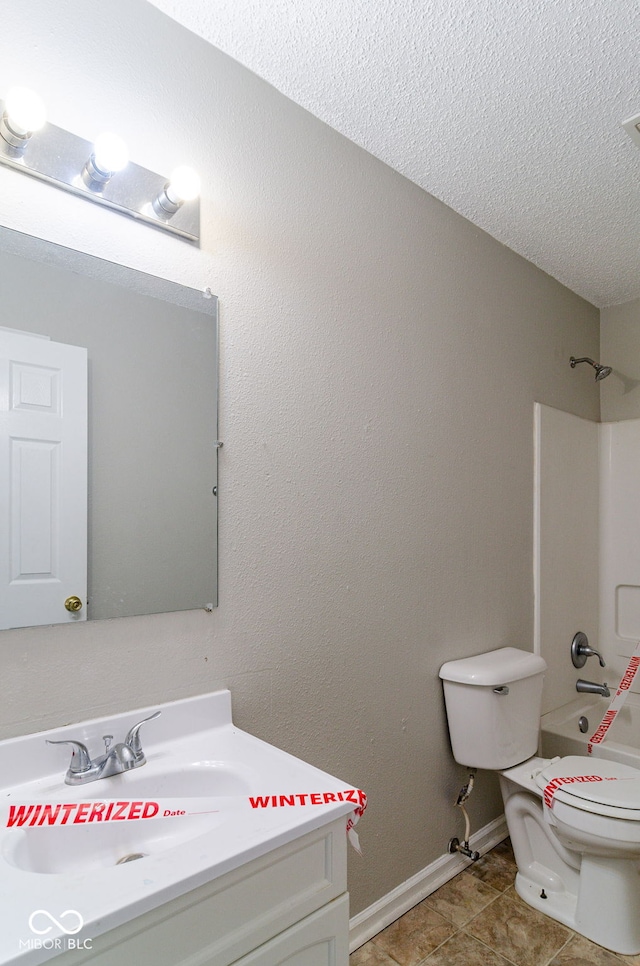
[[494, 668]]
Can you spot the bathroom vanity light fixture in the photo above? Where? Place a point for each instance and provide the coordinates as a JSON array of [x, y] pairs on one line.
[[100, 172]]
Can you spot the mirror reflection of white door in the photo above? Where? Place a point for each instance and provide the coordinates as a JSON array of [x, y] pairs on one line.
[[43, 480]]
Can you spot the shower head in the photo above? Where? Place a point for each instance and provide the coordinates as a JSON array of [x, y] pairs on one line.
[[601, 371]]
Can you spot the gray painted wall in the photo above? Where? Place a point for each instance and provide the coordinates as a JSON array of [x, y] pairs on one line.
[[620, 346], [380, 357]]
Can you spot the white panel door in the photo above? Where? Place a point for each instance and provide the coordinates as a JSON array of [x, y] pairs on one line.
[[43, 480]]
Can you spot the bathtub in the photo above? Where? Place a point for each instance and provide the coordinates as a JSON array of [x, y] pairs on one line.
[[560, 734]]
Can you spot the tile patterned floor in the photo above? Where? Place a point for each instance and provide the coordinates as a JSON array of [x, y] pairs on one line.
[[477, 919]]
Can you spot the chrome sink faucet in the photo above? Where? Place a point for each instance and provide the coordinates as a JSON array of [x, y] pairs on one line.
[[121, 757]]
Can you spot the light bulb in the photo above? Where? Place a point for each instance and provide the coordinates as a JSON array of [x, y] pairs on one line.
[[184, 185], [110, 153], [25, 111]]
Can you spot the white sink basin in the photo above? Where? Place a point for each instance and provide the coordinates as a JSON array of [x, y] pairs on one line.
[[261, 798], [198, 779], [84, 847]]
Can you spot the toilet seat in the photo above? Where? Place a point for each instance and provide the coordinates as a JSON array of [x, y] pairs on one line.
[[614, 788]]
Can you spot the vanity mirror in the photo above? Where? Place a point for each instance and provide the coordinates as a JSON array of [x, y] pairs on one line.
[[152, 424]]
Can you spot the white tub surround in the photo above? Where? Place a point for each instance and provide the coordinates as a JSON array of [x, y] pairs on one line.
[[587, 556], [619, 545], [565, 544]]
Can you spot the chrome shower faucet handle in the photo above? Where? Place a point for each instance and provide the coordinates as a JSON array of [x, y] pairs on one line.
[[581, 650]]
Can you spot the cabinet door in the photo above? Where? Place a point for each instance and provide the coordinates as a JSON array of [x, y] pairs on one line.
[[322, 939], [224, 921]]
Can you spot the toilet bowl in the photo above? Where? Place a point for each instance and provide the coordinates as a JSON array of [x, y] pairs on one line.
[[574, 822]]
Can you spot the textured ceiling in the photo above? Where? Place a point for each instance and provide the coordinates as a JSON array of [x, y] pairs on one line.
[[509, 111]]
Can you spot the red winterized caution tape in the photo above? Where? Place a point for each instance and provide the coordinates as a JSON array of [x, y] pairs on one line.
[[617, 701]]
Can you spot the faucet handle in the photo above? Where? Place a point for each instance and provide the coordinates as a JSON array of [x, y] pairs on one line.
[[132, 740], [581, 650], [80, 752]]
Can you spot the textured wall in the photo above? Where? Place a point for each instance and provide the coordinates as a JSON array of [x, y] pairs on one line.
[[380, 357]]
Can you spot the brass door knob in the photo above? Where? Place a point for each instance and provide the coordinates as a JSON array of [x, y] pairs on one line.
[[73, 604]]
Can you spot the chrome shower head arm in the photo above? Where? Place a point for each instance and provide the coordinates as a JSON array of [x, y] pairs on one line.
[[601, 371]]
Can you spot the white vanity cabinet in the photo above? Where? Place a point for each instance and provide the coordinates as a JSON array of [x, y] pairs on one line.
[[287, 906], [243, 862]]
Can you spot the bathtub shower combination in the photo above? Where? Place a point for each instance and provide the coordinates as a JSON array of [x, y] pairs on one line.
[[566, 731], [573, 817]]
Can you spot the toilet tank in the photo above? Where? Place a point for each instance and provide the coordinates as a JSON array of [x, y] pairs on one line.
[[493, 704]]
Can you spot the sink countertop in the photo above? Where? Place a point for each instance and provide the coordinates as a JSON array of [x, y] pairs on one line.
[[194, 732]]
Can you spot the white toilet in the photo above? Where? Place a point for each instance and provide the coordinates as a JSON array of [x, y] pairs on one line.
[[578, 852]]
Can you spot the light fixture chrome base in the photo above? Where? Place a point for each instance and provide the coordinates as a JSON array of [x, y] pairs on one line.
[[163, 206], [17, 142], [94, 178], [59, 158]]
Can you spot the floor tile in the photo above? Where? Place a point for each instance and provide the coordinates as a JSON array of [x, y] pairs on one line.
[[497, 868], [370, 955], [584, 943], [630, 960], [581, 952], [478, 919], [518, 932], [411, 938], [463, 950], [462, 898]]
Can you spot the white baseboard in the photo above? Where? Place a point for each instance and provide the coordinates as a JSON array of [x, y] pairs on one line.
[[386, 910]]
